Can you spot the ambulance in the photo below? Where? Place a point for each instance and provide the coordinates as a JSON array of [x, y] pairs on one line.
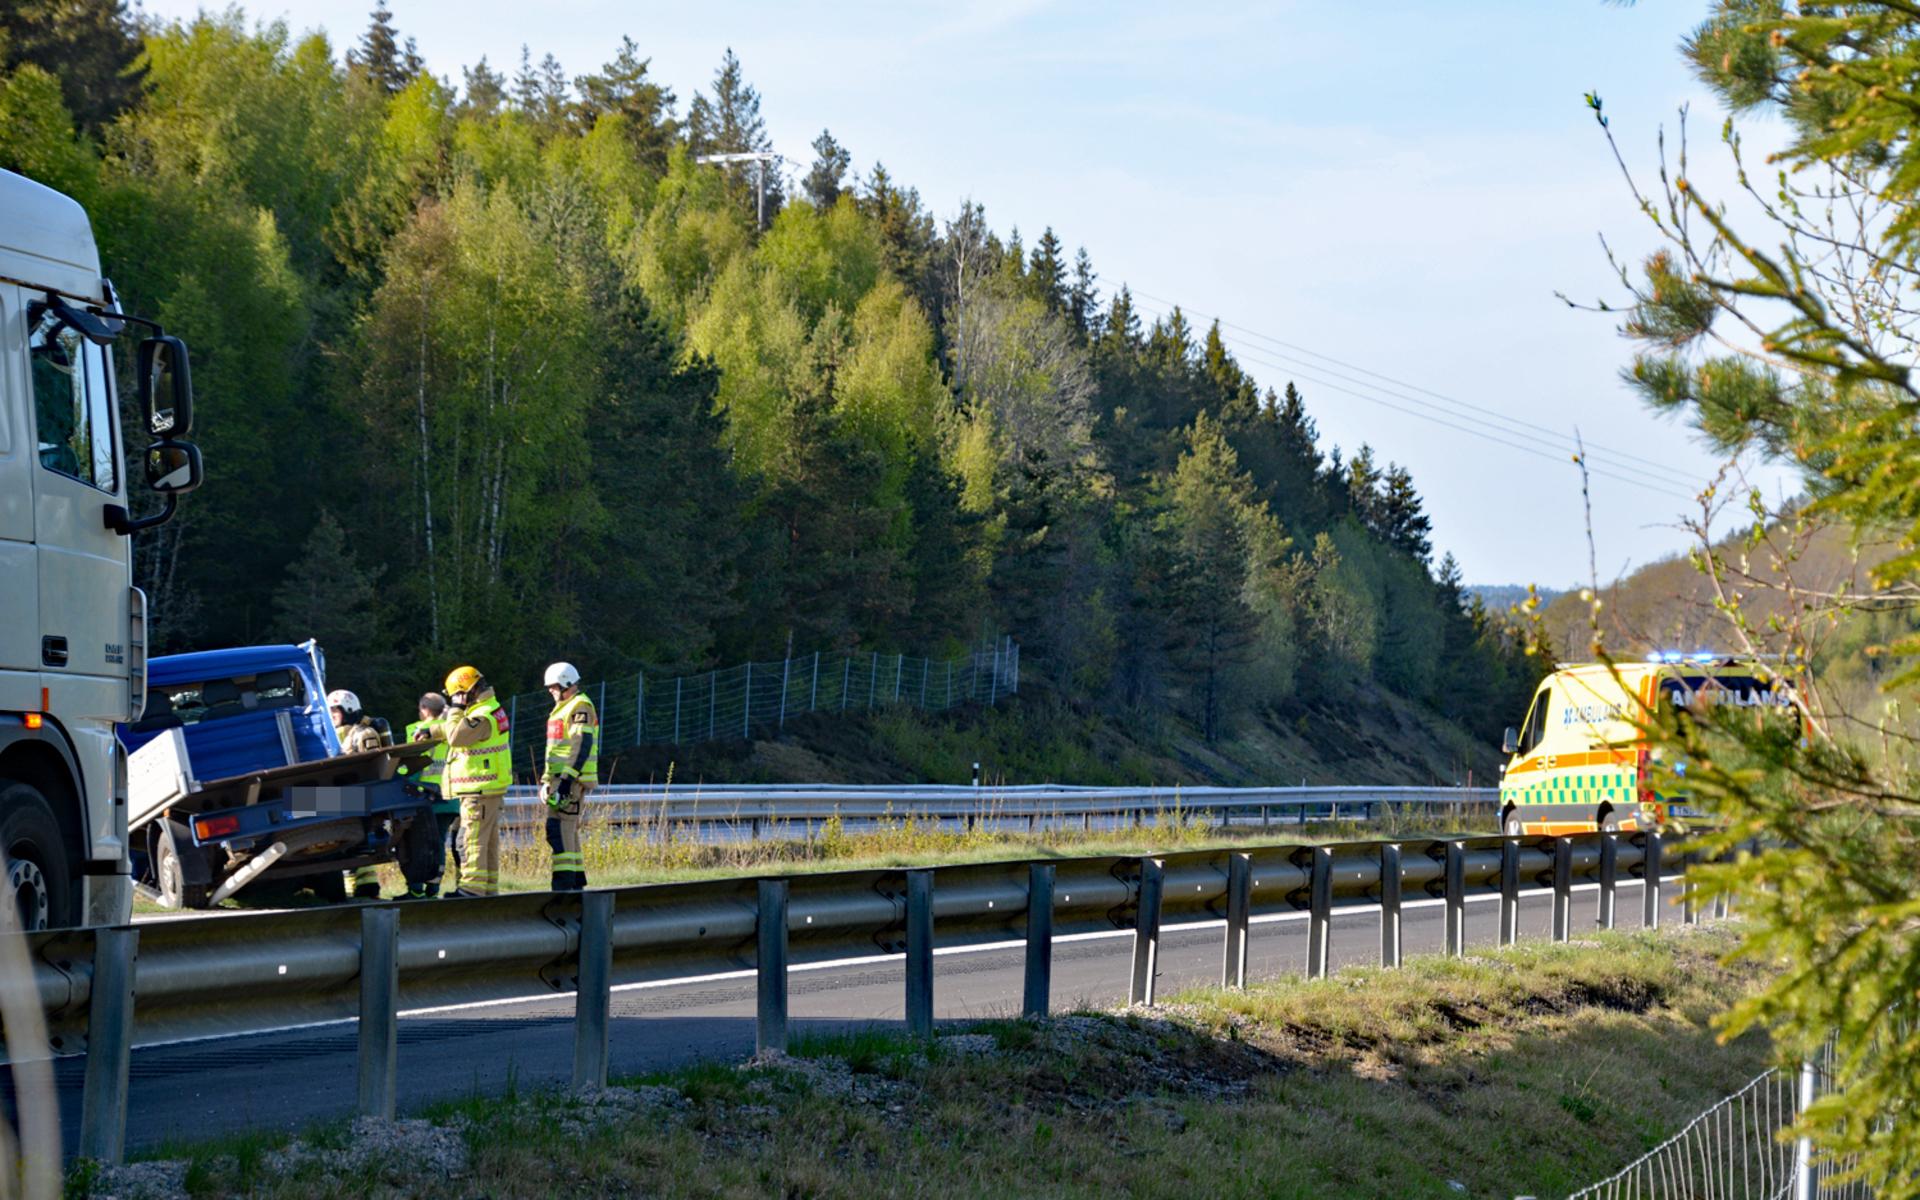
[[1580, 761]]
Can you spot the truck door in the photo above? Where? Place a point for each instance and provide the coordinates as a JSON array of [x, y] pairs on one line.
[[19, 578], [84, 577]]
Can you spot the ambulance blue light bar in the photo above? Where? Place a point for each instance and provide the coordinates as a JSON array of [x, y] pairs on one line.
[[1677, 656]]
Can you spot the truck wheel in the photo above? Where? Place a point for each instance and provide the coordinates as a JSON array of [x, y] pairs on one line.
[[420, 852], [170, 877], [36, 861]]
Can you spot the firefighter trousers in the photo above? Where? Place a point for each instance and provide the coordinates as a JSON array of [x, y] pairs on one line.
[[480, 843], [563, 838]]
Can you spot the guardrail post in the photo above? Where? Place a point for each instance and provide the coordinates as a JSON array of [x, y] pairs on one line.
[[1037, 994], [1456, 899], [1689, 907], [1509, 890], [103, 1105], [1146, 932], [1390, 905], [1722, 902], [770, 963], [1320, 915], [1562, 889], [1233, 970], [594, 1002], [1650, 876], [1609, 876], [920, 953], [379, 1019]]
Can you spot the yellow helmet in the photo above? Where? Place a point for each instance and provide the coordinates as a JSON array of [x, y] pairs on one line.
[[462, 679]]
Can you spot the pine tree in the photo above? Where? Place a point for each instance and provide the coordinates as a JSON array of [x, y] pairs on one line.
[[730, 123], [542, 92], [1363, 487], [1123, 323], [622, 87], [830, 164]]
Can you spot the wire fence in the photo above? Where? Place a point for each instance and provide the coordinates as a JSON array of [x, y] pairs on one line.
[[733, 702], [1733, 1151]]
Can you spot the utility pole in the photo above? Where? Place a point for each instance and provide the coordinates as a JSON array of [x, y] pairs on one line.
[[762, 159]]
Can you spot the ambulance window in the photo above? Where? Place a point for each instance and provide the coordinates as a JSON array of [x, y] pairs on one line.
[[72, 402], [1536, 721]]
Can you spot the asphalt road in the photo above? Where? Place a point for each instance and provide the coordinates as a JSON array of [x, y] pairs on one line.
[[282, 1081]]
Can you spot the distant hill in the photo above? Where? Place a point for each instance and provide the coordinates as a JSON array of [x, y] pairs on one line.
[[1501, 596]]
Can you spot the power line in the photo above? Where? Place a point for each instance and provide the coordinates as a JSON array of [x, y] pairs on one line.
[[1594, 449]]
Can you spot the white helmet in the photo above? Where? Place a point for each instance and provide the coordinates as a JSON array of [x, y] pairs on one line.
[[343, 700], [562, 675]]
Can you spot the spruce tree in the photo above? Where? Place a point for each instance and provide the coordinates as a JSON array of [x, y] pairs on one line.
[[1047, 271], [1083, 297], [1403, 521], [485, 91], [328, 596], [729, 122], [378, 58]]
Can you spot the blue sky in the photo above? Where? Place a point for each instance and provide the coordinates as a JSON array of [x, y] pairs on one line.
[[1398, 186]]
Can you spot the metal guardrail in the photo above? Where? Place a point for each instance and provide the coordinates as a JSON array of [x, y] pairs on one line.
[[211, 976], [752, 805]]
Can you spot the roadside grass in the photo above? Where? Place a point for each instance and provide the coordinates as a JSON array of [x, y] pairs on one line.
[[1531, 1070], [625, 847]]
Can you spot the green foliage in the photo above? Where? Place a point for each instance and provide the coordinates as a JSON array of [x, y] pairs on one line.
[[503, 374], [1824, 589]]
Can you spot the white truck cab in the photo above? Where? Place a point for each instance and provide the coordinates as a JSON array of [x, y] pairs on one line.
[[72, 625]]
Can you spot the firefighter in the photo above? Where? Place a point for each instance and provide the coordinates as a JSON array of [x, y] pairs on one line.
[[446, 810], [479, 768], [357, 731], [572, 769]]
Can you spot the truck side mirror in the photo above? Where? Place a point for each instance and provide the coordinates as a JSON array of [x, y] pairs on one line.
[[166, 387], [173, 468], [1510, 741]]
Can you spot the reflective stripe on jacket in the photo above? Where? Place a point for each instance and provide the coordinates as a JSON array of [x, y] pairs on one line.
[[429, 731], [485, 765]]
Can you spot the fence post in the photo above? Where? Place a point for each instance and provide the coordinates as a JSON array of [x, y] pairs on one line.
[[678, 680], [593, 1003], [1509, 890], [103, 1103], [926, 669], [1456, 898], [813, 693], [949, 703], [846, 679], [713, 700], [1609, 876], [1562, 889], [920, 953], [1650, 875], [1037, 994], [746, 705], [379, 1020], [786, 669], [1320, 916], [1390, 904], [600, 708], [640, 711], [513, 729], [993, 678], [1233, 969], [899, 668], [1146, 932], [1805, 1185], [770, 965]]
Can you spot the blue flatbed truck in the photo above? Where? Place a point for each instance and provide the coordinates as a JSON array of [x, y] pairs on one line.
[[236, 780]]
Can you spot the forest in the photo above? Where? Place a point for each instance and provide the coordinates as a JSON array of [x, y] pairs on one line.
[[491, 368]]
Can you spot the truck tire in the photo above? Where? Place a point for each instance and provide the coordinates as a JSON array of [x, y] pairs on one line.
[[170, 876], [45, 890], [420, 852]]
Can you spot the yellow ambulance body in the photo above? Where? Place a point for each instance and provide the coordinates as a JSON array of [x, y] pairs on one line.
[[1579, 761]]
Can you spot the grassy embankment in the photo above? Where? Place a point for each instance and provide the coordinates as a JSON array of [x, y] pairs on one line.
[[1532, 1070]]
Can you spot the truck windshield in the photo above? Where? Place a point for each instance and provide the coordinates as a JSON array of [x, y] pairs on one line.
[[72, 402], [175, 704]]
